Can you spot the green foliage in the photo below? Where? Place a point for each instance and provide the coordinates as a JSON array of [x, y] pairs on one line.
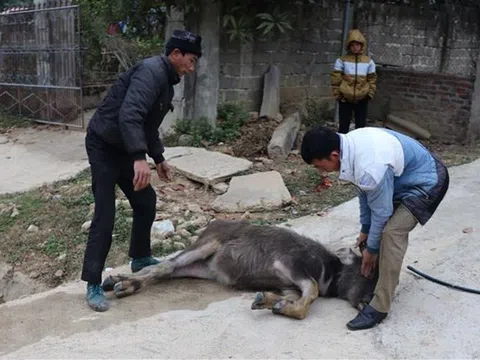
[[8, 121], [316, 113], [110, 54], [231, 117], [277, 20], [148, 47], [199, 129], [54, 246], [237, 27], [243, 21], [11, 3]]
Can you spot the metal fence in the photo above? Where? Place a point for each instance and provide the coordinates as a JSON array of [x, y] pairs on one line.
[[40, 63]]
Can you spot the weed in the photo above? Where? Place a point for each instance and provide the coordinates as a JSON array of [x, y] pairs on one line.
[[53, 246], [59, 221], [192, 228], [8, 121], [171, 139], [317, 113], [231, 117], [262, 222]]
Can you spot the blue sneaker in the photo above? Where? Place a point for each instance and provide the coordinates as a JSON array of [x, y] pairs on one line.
[[96, 298], [140, 263]]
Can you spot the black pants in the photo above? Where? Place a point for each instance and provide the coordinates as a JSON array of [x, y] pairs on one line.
[[345, 115], [110, 167]]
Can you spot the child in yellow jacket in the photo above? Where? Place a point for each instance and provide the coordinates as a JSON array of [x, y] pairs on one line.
[[354, 82]]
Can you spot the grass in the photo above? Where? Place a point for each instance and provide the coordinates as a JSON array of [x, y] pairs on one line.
[[58, 210], [231, 116], [316, 113], [8, 121], [301, 183]]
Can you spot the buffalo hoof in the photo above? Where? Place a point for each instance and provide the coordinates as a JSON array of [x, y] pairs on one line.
[[259, 301], [279, 307], [125, 288], [108, 284]]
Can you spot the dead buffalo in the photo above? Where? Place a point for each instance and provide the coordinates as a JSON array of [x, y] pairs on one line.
[[289, 269]]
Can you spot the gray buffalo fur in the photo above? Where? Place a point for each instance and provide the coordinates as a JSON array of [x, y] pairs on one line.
[[289, 270]]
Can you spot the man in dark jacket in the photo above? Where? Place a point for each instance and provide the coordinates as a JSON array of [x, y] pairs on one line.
[[120, 134]]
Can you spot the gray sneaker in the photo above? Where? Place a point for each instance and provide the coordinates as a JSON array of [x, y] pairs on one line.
[[96, 298]]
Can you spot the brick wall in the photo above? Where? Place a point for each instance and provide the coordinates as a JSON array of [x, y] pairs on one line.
[[305, 59], [396, 35], [427, 40], [440, 103]]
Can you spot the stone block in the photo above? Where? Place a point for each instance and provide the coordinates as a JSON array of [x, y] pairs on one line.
[[178, 151], [271, 93], [209, 167], [284, 137], [257, 192]]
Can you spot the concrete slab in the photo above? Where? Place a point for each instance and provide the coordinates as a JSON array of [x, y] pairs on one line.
[[179, 151], [199, 319], [14, 284], [256, 192], [33, 157], [284, 136], [209, 167]]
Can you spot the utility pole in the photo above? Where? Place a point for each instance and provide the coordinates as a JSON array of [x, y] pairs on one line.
[[346, 25]]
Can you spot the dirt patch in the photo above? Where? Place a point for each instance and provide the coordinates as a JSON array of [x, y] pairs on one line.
[[255, 137], [42, 235], [454, 154]]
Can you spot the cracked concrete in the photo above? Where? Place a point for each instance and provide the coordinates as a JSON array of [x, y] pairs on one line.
[[33, 157], [199, 319]]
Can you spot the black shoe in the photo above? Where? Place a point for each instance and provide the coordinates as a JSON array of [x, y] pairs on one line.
[[366, 319]]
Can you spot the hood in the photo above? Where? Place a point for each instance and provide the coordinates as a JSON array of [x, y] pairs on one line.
[[356, 35]]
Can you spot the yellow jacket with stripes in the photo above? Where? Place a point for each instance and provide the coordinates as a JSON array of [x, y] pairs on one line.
[[354, 76]]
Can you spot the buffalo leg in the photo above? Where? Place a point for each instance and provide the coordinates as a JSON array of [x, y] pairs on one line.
[[298, 309], [127, 285], [267, 299]]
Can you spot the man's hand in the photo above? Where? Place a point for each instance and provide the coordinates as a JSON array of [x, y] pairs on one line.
[[142, 173], [361, 239], [369, 261], [164, 171]]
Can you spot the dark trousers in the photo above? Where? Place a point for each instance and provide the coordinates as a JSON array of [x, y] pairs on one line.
[[345, 115], [110, 167]]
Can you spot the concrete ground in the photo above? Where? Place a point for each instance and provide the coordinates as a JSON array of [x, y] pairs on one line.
[[199, 319], [33, 157]]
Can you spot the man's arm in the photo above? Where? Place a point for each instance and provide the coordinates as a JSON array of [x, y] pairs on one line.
[[365, 213], [142, 93], [379, 198], [372, 79], [156, 149], [336, 77]]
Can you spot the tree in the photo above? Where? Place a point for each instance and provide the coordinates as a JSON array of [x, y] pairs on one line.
[[14, 3]]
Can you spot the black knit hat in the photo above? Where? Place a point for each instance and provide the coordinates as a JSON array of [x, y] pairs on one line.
[[185, 41]]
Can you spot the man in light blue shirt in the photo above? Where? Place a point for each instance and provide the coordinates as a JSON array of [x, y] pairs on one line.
[[400, 183]]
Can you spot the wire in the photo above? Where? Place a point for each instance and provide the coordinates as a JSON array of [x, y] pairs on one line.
[[457, 287]]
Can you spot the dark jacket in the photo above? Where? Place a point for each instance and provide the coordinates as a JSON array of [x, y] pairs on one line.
[[131, 113]]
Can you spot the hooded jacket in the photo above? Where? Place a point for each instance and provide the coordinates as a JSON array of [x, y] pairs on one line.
[[354, 76]]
